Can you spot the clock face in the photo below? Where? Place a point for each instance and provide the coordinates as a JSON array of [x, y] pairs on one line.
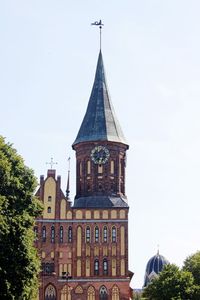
[[100, 155]]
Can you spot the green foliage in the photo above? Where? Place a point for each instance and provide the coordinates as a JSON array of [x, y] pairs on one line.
[[171, 284], [192, 264], [19, 264]]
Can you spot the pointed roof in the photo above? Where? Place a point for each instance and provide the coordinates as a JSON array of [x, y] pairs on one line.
[[100, 122]]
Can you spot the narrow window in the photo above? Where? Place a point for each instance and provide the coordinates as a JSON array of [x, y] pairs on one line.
[[49, 210], [100, 169], [96, 267], [96, 234], [105, 234], [61, 234], [105, 267], [36, 232], [88, 234], [49, 199], [44, 234], [88, 167], [112, 167], [70, 234], [114, 236], [52, 234]]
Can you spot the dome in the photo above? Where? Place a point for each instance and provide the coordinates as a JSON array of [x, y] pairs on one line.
[[154, 266]]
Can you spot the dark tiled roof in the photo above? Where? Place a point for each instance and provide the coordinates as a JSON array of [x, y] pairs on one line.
[[154, 267], [99, 202], [100, 122]]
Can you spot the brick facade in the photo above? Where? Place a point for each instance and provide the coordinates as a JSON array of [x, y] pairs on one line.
[[84, 247]]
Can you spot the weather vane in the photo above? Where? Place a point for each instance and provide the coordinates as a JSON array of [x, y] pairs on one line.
[[100, 24], [51, 163]]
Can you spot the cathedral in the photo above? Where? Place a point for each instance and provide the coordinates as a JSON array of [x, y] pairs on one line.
[[84, 247]]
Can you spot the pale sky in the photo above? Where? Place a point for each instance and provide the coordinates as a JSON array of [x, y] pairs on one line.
[[151, 52]]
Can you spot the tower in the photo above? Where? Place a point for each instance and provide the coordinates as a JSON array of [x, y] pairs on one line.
[[84, 247]]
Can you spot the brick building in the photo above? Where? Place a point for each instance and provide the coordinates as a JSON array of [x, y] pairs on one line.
[[84, 247]]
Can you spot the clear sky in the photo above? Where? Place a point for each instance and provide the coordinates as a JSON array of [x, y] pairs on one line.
[[151, 51]]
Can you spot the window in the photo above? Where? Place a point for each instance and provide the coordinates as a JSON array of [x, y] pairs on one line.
[[105, 234], [50, 292], [91, 293], [103, 294], [100, 169], [96, 267], [115, 293], [88, 234], [49, 199], [100, 187], [44, 234], [61, 234], [52, 234], [96, 237], [88, 167], [49, 209], [70, 234], [114, 236], [112, 166], [105, 267], [36, 233]]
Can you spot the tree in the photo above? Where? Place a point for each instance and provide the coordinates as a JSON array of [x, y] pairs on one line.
[[19, 263], [192, 264], [171, 284]]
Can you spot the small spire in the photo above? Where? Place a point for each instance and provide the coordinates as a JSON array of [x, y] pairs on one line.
[[100, 24], [67, 190], [51, 163], [158, 250]]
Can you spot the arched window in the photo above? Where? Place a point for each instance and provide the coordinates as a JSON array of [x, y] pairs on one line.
[[49, 198], [103, 294], [105, 234], [114, 235], [91, 293], [96, 267], [44, 234], [115, 293], [69, 234], [96, 237], [49, 209], [50, 292], [105, 267], [52, 234], [87, 234], [61, 234]]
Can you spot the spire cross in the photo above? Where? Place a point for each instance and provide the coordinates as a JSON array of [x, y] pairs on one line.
[[100, 24], [51, 163]]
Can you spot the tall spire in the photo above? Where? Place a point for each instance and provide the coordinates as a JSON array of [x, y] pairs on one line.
[[100, 122]]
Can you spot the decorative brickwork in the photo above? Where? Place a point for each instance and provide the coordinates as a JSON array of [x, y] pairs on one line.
[[84, 247]]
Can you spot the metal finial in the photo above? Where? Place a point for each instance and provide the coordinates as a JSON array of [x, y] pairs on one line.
[[158, 249], [67, 190], [100, 24], [51, 163]]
